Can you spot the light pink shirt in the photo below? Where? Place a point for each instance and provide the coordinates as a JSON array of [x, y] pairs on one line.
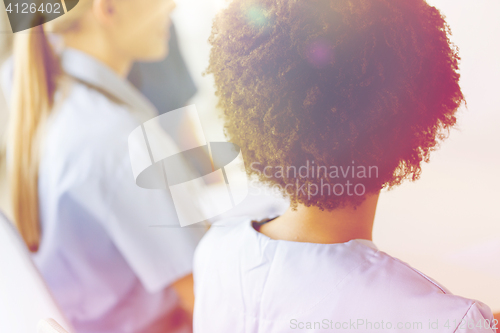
[[247, 282]]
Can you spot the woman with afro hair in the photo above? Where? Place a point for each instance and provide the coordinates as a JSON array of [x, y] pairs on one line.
[[330, 101]]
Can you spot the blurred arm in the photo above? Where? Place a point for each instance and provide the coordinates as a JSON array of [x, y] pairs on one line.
[[184, 288]]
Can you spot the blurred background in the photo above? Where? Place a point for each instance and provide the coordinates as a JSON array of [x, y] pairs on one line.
[[447, 224]]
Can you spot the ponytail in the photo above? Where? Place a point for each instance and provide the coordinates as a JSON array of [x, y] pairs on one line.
[[35, 71]]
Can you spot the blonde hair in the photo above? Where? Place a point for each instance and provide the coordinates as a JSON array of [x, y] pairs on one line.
[[36, 70]]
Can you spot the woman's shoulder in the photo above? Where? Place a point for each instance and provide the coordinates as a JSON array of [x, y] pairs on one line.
[[90, 111], [388, 287], [87, 132], [86, 118], [345, 280]]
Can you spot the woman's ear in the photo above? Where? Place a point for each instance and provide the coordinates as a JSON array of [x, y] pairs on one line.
[[104, 11]]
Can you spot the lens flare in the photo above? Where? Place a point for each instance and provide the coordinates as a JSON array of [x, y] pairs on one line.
[[256, 16], [319, 53]]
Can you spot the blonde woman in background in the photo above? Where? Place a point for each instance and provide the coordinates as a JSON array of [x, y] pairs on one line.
[[74, 198]]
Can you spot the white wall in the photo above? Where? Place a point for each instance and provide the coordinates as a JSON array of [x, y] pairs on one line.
[[193, 21], [448, 223]]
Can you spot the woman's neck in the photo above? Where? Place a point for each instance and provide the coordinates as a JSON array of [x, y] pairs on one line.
[[97, 46], [311, 225]]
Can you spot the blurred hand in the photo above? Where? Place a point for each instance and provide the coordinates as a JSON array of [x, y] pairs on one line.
[[184, 288]]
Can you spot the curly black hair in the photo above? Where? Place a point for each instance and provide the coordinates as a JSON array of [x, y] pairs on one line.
[[360, 83]]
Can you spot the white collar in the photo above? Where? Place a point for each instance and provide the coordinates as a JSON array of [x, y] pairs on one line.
[[367, 242], [91, 71]]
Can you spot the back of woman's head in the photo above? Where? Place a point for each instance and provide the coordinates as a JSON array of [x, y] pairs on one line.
[[353, 93]]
